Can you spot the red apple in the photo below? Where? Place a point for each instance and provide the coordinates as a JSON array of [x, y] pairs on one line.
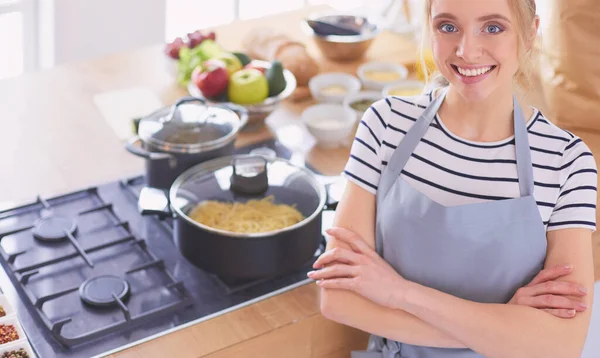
[[212, 80], [172, 49], [255, 66]]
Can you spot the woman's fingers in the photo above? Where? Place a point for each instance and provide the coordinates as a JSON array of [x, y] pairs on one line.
[[333, 272], [561, 313], [551, 273], [552, 302], [555, 288], [338, 283], [338, 254]]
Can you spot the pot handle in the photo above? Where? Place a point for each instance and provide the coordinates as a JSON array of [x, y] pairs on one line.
[[334, 187], [134, 147], [182, 101], [331, 206], [154, 201], [240, 110]]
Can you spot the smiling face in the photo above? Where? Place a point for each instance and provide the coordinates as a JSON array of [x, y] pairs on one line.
[[475, 45]]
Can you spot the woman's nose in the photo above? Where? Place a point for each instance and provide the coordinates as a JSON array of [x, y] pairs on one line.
[[469, 48]]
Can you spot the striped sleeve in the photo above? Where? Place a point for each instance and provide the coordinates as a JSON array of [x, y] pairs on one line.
[[364, 165], [576, 203]]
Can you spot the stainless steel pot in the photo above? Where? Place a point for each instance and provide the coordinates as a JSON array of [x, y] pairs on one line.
[[190, 132]]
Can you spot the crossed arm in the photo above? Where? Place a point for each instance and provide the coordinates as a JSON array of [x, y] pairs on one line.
[[428, 317]]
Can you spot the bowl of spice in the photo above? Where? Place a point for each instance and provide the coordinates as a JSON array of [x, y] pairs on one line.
[[404, 89], [330, 124], [377, 75], [6, 308], [10, 330], [333, 87], [18, 349], [361, 101]]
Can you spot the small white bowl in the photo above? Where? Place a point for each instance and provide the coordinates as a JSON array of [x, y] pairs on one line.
[[407, 88], [373, 96], [16, 345], [330, 124], [396, 70], [347, 82]]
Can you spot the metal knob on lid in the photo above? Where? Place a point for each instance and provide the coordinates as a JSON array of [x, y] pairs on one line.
[[249, 175]]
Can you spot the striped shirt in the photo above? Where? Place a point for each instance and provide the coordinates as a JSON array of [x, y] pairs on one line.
[[454, 171]]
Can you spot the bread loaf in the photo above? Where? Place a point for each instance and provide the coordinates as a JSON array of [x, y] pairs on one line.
[[269, 44]]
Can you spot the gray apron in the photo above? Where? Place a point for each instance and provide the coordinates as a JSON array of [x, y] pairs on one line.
[[481, 252]]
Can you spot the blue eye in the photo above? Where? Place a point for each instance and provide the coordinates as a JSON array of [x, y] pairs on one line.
[[493, 29], [447, 28]]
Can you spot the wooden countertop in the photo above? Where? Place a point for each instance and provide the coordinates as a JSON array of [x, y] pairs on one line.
[[54, 140]]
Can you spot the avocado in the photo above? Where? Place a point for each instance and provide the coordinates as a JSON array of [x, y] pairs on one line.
[[275, 78], [244, 59]]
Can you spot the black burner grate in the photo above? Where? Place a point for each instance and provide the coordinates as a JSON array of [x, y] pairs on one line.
[[53, 245]]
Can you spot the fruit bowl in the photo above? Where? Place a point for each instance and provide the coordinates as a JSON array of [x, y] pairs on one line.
[[258, 112]]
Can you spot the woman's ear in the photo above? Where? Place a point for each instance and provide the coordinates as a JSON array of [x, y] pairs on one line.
[[533, 32]]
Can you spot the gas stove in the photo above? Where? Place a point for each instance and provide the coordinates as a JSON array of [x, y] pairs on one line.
[[88, 275]]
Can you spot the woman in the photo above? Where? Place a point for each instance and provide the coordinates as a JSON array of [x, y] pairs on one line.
[[465, 228]]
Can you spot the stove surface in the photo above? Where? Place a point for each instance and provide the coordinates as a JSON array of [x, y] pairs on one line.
[[88, 274]]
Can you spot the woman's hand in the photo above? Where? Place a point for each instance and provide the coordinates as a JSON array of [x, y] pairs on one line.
[[360, 270], [545, 293]]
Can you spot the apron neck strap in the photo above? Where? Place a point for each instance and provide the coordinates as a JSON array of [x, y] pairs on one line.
[[523, 152], [406, 147]]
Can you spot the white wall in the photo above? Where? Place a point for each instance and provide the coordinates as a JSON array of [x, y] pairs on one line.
[[82, 29]]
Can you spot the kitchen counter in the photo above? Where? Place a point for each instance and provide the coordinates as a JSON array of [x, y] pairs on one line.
[[55, 140]]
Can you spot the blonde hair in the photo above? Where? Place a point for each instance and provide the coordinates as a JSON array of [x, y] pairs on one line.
[[524, 11]]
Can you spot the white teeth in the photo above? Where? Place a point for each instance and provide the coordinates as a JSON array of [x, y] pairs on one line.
[[473, 72]]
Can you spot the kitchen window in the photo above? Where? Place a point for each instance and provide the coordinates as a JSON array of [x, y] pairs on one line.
[[18, 39], [184, 16]]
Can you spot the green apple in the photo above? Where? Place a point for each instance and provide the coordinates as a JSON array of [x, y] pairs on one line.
[[232, 63], [248, 86]]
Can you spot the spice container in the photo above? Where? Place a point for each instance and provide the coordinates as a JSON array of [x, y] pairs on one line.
[[18, 349], [10, 330], [5, 307], [333, 87], [330, 124]]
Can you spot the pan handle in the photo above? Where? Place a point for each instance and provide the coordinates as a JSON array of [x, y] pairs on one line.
[[334, 189], [154, 201], [134, 147], [331, 206]]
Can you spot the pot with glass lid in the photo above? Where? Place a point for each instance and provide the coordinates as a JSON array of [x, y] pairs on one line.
[[247, 216], [178, 137]]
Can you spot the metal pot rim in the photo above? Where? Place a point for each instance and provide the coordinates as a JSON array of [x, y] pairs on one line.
[[197, 147], [320, 188], [191, 148]]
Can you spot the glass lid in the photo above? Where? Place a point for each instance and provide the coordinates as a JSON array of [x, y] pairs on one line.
[[190, 126], [247, 195]]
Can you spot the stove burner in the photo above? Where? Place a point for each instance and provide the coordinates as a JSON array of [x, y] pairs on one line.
[[53, 228], [97, 291]]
